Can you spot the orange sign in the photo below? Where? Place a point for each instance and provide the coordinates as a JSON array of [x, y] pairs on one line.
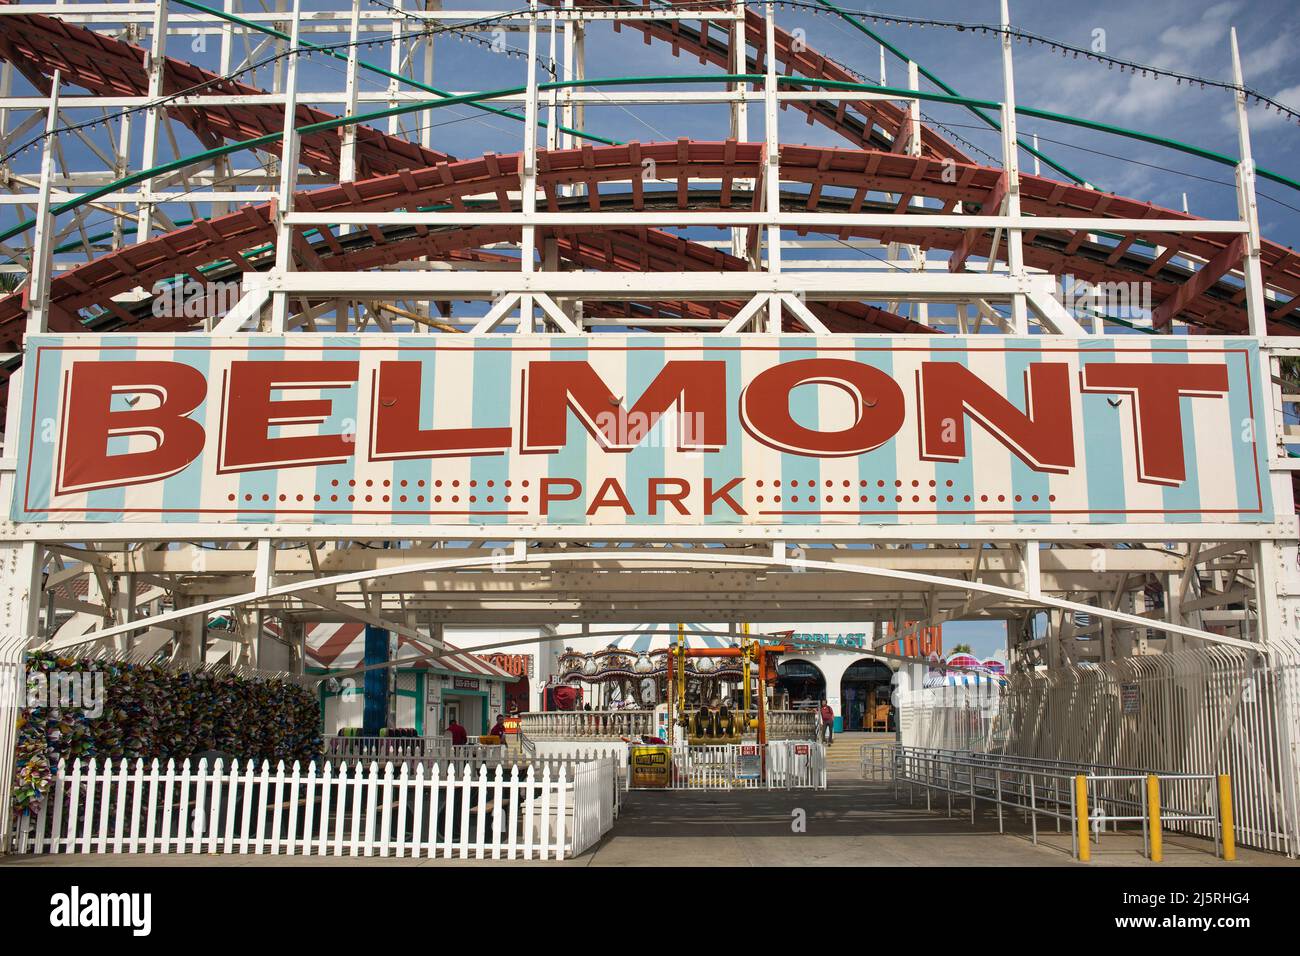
[[519, 665], [924, 642]]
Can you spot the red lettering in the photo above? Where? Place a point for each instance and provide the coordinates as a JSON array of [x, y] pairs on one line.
[[90, 422], [396, 432], [1157, 390], [655, 495], [722, 494], [1042, 436], [574, 489], [877, 401], [610, 495], [250, 411], [698, 390]]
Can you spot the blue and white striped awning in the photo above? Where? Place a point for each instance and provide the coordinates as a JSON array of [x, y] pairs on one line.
[[961, 679], [649, 637]]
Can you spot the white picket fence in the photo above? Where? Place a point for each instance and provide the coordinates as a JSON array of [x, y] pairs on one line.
[[616, 761], [466, 811], [789, 765]]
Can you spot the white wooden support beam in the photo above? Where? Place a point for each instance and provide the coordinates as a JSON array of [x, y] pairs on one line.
[[38, 287], [499, 310], [288, 174], [803, 314], [746, 315]]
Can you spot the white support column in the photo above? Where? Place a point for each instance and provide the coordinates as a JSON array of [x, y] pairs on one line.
[[528, 176], [42, 264], [772, 172], [426, 126], [395, 65], [153, 115], [740, 108], [566, 74], [1011, 167], [552, 97], [1277, 590], [348, 148], [288, 175]]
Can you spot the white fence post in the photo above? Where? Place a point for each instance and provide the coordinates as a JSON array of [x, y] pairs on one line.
[[114, 806]]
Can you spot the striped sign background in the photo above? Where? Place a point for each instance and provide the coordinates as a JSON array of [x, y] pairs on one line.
[[476, 382]]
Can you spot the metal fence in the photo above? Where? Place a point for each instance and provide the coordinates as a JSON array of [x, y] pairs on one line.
[[614, 724], [1192, 715], [587, 724], [412, 750], [778, 765], [1086, 800], [1188, 716], [958, 717]]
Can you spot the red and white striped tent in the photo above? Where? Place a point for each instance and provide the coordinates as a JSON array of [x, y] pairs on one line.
[[342, 646]]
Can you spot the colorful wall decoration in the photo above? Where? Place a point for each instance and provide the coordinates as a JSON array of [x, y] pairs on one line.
[[146, 711]]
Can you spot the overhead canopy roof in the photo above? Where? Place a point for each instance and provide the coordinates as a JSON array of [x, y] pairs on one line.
[[342, 646]]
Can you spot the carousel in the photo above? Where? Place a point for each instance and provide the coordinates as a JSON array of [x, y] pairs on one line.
[[700, 695], [616, 679]]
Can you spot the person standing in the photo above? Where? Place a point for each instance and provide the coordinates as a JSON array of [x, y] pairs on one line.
[[499, 728], [828, 723], [458, 734]]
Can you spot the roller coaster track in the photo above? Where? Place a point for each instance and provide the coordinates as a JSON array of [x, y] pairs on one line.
[[874, 124], [875, 178], [843, 180], [38, 45]]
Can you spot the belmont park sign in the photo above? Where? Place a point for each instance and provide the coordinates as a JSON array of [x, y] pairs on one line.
[[615, 430]]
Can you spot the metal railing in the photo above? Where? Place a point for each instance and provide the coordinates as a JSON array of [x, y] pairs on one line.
[[1087, 798], [341, 746], [411, 750], [612, 724], [1212, 709], [777, 765], [587, 724]]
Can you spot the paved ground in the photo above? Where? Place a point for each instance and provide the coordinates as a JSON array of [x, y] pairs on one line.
[[850, 824]]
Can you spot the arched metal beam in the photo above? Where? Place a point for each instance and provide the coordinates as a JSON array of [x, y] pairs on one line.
[[520, 557]]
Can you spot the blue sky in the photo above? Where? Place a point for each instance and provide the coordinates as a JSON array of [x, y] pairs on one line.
[[1190, 37], [1187, 35]]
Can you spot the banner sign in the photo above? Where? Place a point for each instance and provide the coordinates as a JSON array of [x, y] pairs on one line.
[[551, 431]]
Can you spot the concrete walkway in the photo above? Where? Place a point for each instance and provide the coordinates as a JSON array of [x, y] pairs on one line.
[[854, 824], [850, 824]]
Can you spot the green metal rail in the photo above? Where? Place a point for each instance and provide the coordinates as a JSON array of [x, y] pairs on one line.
[[379, 70]]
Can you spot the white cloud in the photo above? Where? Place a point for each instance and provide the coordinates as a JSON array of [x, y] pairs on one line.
[[1279, 51], [1195, 37]]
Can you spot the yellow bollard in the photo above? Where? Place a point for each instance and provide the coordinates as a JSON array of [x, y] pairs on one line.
[[1153, 818], [1081, 813], [1225, 818]]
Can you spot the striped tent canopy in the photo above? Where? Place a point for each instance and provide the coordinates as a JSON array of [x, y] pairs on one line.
[[342, 646], [650, 637], [973, 672]]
